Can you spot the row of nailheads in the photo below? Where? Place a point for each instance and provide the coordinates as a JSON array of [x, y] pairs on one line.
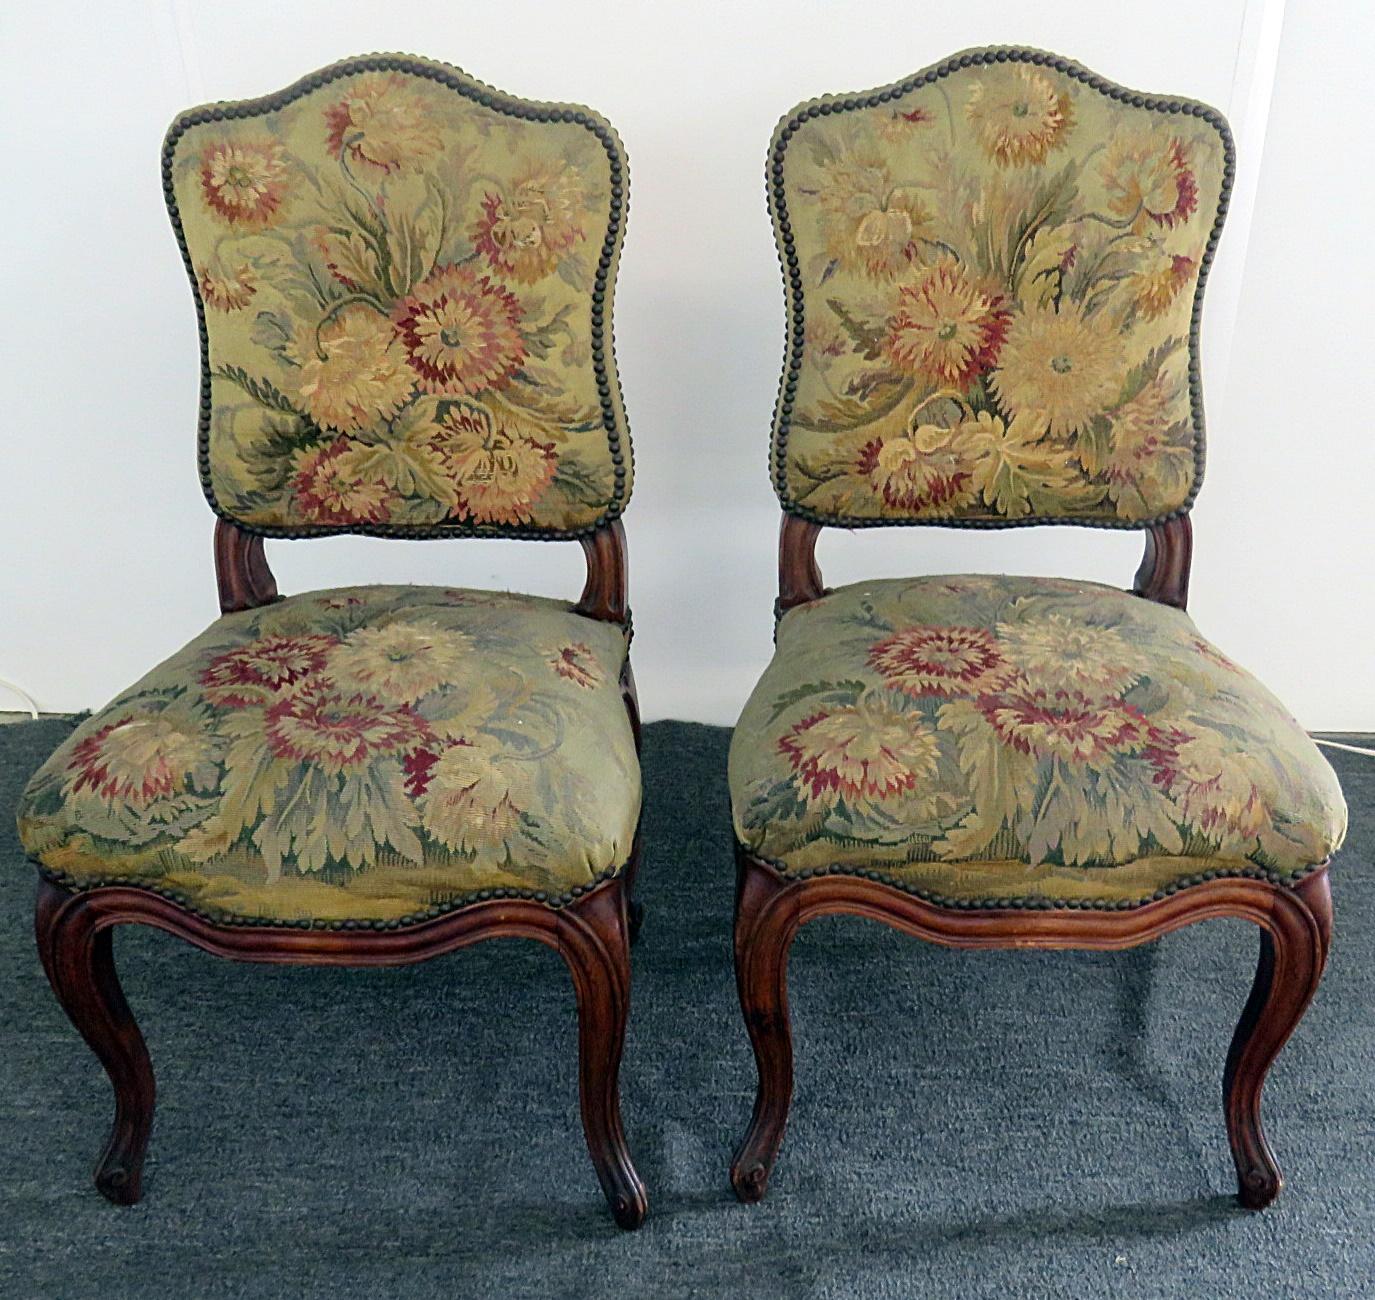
[[778, 204], [1048, 904], [603, 339], [555, 901]]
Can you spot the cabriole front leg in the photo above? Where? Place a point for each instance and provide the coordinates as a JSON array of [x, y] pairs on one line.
[[76, 951], [1293, 951]]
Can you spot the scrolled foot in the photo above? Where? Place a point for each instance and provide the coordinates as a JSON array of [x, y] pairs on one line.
[[629, 1206], [119, 1181], [750, 1178], [1258, 1187]]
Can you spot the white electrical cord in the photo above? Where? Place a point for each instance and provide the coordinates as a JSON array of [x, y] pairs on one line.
[[23, 695], [1350, 749]]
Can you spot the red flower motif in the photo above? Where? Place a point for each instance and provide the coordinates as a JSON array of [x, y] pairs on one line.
[[578, 664], [1067, 726], [940, 661], [318, 727], [244, 181], [461, 332], [245, 676], [133, 761], [908, 480], [946, 328], [328, 491]]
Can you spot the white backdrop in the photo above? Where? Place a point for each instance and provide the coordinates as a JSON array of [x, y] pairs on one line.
[[105, 539]]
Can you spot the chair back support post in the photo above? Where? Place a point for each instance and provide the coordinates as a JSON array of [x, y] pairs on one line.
[[1164, 572], [241, 570]]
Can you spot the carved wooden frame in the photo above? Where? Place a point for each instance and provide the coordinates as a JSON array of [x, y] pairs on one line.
[[592, 930], [1295, 920]]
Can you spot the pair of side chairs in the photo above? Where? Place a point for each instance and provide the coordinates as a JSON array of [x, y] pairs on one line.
[[403, 280]]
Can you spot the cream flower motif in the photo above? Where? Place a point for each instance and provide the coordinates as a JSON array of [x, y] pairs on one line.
[[946, 328], [1223, 791], [353, 372], [1058, 369], [471, 799], [1020, 118], [1148, 449], [1058, 654], [859, 752], [245, 181], [869, 223], [1149, 180], [227, 291], [461, 332], [499, 473], [1158, 283], [400, 662], [916, 472], [525, 232], [382, 123], [138, 760]]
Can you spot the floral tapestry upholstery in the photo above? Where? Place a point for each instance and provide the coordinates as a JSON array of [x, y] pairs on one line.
[[405, 281], [361, 754], [993, 274], [1022, 739]]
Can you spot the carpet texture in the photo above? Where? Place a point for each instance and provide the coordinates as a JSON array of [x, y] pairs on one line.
[[998, 1124]]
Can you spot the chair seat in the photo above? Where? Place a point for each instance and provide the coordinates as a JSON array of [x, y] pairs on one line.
[[1017, 740], [365, 754]]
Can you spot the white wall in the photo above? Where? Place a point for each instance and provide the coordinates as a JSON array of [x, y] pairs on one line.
[[104, 538]]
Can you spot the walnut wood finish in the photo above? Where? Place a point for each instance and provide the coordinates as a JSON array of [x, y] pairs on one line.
[[1164, 572], [591, 934], [1295, 924], [799, 575], [245, 581], [604, 595]]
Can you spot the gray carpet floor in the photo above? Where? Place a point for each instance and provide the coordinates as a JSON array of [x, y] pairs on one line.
[[998, 1124]]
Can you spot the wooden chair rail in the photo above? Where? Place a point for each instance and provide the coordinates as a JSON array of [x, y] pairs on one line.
[[1295, 924]]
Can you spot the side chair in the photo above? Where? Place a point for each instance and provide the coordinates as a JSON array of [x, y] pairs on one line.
[[403, 281], [993, 274]]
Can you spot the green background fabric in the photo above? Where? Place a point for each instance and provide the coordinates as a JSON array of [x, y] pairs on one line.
[[361, 753], [996, 275], [398, 287], [1002, 737]]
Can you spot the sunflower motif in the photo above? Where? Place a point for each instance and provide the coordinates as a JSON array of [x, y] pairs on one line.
[[498, 472], [916, 472], [329, 488], [869, 223], [1020, 119], [1058, 654], [400, 661], [383, 124], [227, 291], [1058, 369], [859, 752], [137, 760], [1149, 181], [256, 671], [939, 660], [352, 373], [576, 663], [1080, 732], [946, 328], [525, 232], [470, 799], [1155, 287], [460, 330], [245, 181], [340, 733]]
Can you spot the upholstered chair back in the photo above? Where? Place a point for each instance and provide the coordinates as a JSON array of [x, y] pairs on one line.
[[404, 282], [994, 273]]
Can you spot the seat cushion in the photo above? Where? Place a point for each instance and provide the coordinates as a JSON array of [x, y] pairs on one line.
[[1021, 739], [365, 753]]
